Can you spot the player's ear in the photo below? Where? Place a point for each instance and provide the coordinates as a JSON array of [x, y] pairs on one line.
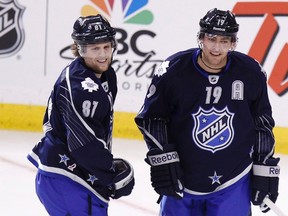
[[233, 46], [200, 36], [81, 50]]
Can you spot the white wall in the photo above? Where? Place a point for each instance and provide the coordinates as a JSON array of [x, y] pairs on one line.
[[28, 73]]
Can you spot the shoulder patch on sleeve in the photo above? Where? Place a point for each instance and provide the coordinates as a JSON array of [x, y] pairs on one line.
[[162, 69]]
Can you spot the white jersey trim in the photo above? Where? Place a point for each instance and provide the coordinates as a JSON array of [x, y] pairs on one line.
[[78, 115], [67, 174]]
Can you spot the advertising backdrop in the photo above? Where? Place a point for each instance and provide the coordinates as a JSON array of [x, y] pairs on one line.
[[35, 40]]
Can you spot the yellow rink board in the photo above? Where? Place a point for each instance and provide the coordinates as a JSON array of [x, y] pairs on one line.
[[29, 118]]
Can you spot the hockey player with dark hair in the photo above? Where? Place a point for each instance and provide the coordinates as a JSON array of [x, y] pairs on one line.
[[207, 122], [77, 173]]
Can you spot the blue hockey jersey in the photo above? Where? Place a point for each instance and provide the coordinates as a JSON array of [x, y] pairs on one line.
[[219, 123], [78, 129]]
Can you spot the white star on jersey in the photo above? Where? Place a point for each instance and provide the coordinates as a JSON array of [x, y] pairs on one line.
[[92, 178], [215, 178], [63, 159]]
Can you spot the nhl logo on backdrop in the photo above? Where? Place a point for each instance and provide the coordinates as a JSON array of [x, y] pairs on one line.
[[213, 130], [11, 30]]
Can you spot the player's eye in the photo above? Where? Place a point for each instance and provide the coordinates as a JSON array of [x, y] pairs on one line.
[[224, 41]]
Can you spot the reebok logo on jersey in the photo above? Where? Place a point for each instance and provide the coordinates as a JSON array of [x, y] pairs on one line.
[[165, 158]]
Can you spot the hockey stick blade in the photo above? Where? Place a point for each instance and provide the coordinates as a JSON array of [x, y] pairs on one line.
[[273, 207]]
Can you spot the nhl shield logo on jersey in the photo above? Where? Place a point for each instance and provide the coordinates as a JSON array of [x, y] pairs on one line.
[[213, 130], [11, 30]]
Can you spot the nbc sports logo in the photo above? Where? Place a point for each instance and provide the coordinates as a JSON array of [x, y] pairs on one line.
[[133, 12]]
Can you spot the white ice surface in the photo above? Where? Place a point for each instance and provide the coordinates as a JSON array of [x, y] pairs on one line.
[[17, 194]]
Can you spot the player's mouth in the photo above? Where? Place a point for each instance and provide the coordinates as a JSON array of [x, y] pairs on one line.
[[101, 61], [215, 54]]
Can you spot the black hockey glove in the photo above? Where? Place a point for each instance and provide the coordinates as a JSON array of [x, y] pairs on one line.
[[265, 182], [165, 171], [124, 181]]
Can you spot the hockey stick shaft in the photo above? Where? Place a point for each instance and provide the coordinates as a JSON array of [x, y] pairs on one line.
[[273, 207]]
